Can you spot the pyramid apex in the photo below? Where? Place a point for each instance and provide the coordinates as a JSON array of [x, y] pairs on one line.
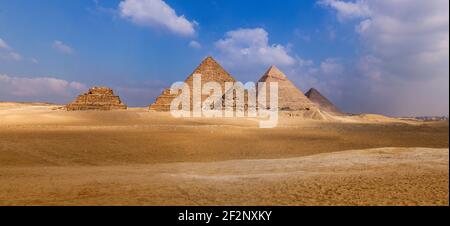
[[209, 59], [313, 90], [273, 67], [274, 72], [209, 68], [326, 105], [290, 97]]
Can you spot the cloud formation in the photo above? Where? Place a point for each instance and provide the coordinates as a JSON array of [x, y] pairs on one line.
[[62, 48], [247, 49], [156, 13], [7, 53], [331, 67], [348, 10], [14, 56], [195, 45], [34, 60], [3, 44], [46, 89], [403, 67]]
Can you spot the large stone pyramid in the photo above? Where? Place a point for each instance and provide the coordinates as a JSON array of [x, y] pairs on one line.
[[97, 98], [289, 96], [210, 71], [322, 102]]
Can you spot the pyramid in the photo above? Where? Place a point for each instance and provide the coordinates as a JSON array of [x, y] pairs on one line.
[[162, 102], [324, 104], [289, 96], [210, 71], [97, 98]]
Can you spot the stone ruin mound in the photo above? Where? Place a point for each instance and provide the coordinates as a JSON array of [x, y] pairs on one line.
[[210, 71], [97, 98], [290, 98], [324, 104]]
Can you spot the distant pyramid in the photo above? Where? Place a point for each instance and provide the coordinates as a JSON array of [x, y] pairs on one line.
[[324, 104], [210, 71], [97, 98], [289, 96], [162, 102]]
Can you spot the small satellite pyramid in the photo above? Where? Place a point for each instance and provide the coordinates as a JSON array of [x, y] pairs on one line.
[[162, 102], [324, 104], [289, 96], [210, 71], [97, 98]]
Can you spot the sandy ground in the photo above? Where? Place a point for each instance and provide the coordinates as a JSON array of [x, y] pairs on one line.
[[136, 157], [386, 176]]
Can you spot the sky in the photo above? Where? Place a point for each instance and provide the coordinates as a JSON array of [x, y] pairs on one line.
[[368, 56]]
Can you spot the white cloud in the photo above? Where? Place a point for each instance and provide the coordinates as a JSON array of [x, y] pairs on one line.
[[249, 48], [195, 45], [304, 62], [61, 47], [34, 61], [156, 13], [38, 89], [347, 10], [6, 52], [14, 56], [363, 26], [403, 34], [11, 56], [3, 44], [403, 67], [305, 37], [331, 67]]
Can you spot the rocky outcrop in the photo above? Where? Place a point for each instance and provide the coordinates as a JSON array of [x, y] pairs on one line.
[[97, 98]]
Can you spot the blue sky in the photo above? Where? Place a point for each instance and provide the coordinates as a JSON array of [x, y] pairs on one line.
[[346, 49]]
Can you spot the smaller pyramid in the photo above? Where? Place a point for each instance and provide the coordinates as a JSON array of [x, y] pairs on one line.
[[324, 104], [162, 102], [97, 98], [289, 96]]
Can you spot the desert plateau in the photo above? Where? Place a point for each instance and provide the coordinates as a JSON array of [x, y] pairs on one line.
[[49, 156]]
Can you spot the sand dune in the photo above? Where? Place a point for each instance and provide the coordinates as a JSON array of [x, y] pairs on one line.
[[136, 157], [387, 176]]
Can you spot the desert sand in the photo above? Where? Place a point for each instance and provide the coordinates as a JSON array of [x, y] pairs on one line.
[[49, 156]]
